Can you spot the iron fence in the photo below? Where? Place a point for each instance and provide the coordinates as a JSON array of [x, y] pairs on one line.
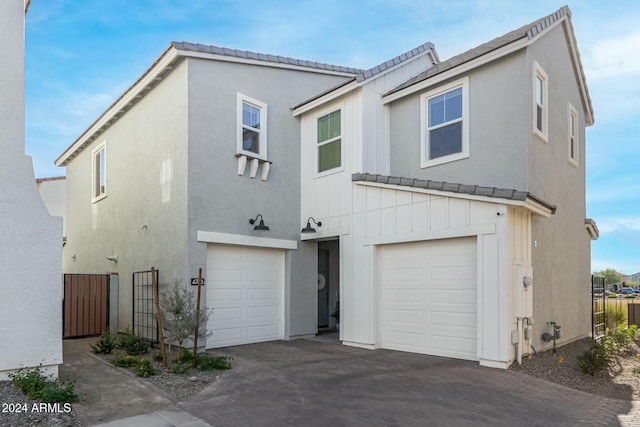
[[145, 324]]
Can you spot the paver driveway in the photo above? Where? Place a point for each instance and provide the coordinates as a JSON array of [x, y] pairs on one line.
[[321, 384]]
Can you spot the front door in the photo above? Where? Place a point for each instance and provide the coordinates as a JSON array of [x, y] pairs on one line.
[[323, 288]]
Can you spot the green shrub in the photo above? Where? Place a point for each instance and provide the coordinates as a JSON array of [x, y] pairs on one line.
[[208, 362], [594, 360], [620, 336], [144, 368], [35, 385], [133, 344], [105, 344], [612, 296], [616, 314], [630, 296], [157, 356]]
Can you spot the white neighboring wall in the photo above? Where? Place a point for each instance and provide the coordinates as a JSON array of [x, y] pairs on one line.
[[54, 195], [31, 249]]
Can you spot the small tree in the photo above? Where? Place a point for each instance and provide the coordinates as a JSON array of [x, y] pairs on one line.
[[178, 314]]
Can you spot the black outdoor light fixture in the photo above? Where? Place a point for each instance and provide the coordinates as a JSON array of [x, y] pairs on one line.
[[309, 228], [260, 225]]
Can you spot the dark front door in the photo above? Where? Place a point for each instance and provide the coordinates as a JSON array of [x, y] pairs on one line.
[[323, 288]]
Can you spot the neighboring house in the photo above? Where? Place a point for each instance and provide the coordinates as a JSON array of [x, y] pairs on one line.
[[53, 191], [454, 198], [439, 205], [170, 175], [30, 286]]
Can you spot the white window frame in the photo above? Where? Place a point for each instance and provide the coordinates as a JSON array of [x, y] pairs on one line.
[[262, 132], [573, 140], [316, 146], [425, 162], [96, 175], [539, 74]]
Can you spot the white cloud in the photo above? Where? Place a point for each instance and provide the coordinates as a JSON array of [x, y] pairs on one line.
[[619, 224], [614, 57]]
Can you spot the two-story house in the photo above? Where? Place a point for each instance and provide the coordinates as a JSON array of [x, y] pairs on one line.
[[433, 207], [452, 200], [170, 175]]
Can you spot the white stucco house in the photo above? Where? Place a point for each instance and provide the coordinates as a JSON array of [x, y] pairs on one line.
[[440, 204], [30, 287]]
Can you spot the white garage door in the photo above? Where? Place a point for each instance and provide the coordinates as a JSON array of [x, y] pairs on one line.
[[245, 289], [428, 297]]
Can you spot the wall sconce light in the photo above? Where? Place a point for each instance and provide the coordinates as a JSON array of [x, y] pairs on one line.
[[73, 257], [260, 226], [113, 258], [309, 228], [143, 227]]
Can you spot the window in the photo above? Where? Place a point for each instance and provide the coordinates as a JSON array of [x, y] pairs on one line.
[[540, 108], [99, 181], [330, 141], [572, 135], [444, 124], [252, 127]]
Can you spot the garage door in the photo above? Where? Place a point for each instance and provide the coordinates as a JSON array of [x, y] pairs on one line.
[[428, 297], [245, 289]]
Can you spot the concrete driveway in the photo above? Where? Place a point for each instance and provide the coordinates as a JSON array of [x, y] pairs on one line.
[[315, 383]]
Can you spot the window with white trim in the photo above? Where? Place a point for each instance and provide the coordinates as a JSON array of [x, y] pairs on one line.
[[572, 135], [540, 102], [252, 127], [444, 124], [329, 139], [99, 172]]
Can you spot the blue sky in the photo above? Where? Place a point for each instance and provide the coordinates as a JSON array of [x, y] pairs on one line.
[[81, 55]]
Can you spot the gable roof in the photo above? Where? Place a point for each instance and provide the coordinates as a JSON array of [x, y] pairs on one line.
[[166, 62], [506, 194], [491, 50], [365, 75]]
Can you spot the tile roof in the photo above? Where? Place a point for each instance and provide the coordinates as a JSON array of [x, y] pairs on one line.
[[474, 190], [245, 54], [371, 72], [529, 31], [51, 178]]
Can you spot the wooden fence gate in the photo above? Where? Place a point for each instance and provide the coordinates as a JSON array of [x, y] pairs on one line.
[[85, 307]]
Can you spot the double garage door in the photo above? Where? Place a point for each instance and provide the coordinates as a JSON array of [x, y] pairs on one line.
[[245, 288], [429, 297]]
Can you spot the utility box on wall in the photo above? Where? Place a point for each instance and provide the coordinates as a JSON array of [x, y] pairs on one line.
[[523, 291]]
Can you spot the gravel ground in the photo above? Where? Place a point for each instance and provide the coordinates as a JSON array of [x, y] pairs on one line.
[[19, 411], [619, 381]]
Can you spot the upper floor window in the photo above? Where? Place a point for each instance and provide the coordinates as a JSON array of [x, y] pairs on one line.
[[444, 124], [572, 135], [540, 107], [329, 141], [252, 127], [99, 171]]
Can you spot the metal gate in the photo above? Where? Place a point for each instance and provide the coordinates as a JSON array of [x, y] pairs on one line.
[[145, 324], [85, 306], [598, 307]]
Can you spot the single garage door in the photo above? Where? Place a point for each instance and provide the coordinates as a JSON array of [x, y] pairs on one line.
[[429, 297], [245, 289]]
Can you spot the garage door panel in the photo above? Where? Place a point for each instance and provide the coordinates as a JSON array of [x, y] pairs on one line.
[[405, 316], [262, 312], [429, 297], [448, 346], [245, 289], [452, 297]]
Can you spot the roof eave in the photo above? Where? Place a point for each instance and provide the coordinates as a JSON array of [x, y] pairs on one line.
[[165, 62]]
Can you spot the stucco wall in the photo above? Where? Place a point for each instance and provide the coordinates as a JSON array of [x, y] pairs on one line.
[[54, 195], [143, 219], [498, 113], [220, 200], [30, 284], [562, 247]]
